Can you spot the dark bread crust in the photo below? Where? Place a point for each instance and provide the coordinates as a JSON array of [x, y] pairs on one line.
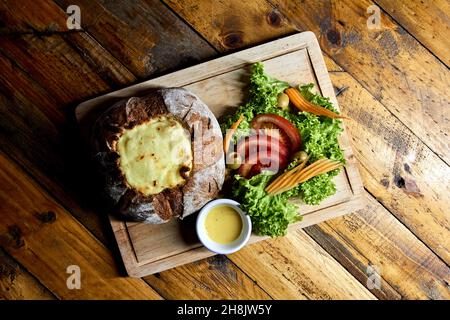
[[204, 180]]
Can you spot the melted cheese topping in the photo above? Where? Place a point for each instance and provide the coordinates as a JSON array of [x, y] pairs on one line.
[[152, 154]]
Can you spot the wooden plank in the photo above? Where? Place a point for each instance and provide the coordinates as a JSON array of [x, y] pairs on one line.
[[39, 20], [373, 237], [145, 36], [88, 215], [363, 50], [18, 284], [397, 168], [296, 267], [27, 109], [46, 239], [389, 63], [29, 106], [394, 67], [220, 83], [427, 21], [46, 62], [227, 27], [213, 278]]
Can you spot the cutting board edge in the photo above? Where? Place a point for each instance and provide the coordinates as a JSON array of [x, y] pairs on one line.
[[284, 46]]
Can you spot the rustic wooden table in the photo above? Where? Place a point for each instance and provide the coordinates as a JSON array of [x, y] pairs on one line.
[[391, 76]]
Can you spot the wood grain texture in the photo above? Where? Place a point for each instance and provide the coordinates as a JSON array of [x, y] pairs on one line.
[[400, 171], [46, 239], [53, 156], [226, 26], [18, 284], [145, 248], [425, 217], [373, 237], [296, 267], [146, 37], [427, 21], [389, 63], [213, 278], [38, 20]]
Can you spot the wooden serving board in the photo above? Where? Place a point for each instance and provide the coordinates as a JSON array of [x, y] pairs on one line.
[[221, 84]]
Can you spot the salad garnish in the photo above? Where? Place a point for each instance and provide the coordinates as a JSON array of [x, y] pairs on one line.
[[302, 153]]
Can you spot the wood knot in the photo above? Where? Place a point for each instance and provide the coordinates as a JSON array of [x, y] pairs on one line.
[[334, 37], [46, 217], [385, 182], [274, 18], [8, 273], [409, 186], [399, 181], [233, 40], [407, 168], [16, 236]]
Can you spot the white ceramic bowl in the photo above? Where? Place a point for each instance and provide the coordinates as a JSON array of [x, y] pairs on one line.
[[218, 247]]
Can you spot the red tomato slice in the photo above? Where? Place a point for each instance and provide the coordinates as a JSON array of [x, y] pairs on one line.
[[262, 144], [287, 128], [255, 163], [248, 170], [272, 130]]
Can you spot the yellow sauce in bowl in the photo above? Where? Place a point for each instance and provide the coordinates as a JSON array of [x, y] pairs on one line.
[[223, 224]]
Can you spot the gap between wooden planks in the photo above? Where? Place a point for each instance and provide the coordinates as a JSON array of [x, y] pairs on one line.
[[141, 249], [47, 242], [46, 239], [16, 283], [214, 27], [37, 94], [427, 21]]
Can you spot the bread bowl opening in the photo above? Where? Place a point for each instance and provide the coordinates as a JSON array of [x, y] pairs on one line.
[[155, 155]]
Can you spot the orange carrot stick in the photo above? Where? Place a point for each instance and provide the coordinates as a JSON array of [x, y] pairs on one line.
[[319, 167], [280, 180], [230, 133], [303, 104]]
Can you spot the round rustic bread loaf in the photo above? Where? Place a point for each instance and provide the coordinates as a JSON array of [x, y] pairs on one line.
[[159, 156]]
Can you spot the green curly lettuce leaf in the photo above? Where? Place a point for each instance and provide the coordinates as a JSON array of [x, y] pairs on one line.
[[272, 214]]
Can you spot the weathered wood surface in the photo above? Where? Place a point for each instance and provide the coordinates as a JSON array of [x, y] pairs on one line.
[[389, 145], [17, 283], [399, 170], [47, 70], [35, 102], [143, 35], [296, 267], [212, 278], [427, 21], [44, 237], [220, 83]]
